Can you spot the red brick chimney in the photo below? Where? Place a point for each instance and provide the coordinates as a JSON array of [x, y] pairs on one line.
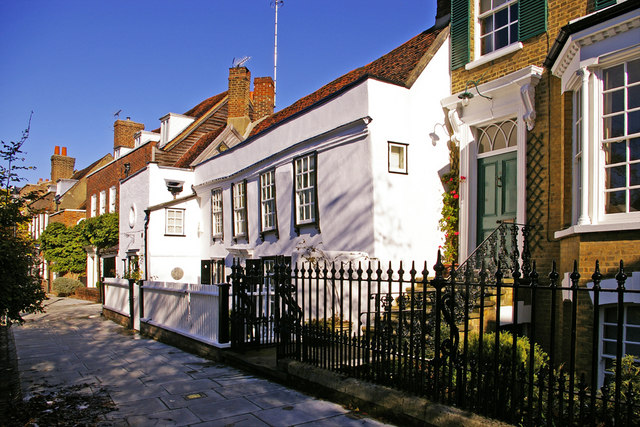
[[263, 94], [62, 166], [239, 93], [124, 133]]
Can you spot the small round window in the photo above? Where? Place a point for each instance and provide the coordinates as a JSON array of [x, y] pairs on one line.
[[132, 216]]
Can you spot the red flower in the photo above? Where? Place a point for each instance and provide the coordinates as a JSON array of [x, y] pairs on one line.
[[462, 178], [456, 233], [455, 196]]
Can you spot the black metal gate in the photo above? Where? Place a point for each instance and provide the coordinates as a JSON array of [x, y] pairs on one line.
[[260, 302]]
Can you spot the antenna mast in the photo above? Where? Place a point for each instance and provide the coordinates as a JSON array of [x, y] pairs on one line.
[[276, 4]]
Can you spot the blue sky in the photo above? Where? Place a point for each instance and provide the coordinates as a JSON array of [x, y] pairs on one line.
[[75, 63]]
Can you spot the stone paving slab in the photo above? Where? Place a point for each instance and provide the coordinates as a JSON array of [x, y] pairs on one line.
[[152, 383]]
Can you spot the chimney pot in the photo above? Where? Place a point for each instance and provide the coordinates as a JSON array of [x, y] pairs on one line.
[[56, 150], [64, 151]]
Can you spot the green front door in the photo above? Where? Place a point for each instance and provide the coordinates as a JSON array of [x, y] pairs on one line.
[[497, 192]]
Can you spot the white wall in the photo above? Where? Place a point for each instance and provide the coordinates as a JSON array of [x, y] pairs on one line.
[[141, 191], [168, 252], [407, 207]]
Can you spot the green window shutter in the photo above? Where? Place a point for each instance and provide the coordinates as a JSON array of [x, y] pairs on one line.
[[604, 3], [532, 18], [459, 33]]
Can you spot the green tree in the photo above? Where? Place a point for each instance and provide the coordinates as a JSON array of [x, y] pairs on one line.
[[20, 289], [101, 231], [63, 247]]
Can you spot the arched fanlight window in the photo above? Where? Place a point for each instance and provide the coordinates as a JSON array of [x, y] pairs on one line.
[[497, 136]]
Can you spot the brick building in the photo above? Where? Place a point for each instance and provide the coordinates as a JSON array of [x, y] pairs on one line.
[[62, 199], [215, 124], [544, 112]]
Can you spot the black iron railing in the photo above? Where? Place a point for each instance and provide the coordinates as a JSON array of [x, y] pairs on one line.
[[506, 248], [525, 350]]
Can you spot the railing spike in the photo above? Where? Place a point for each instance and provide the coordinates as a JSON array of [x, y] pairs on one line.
[[597, 276], [621, 277]]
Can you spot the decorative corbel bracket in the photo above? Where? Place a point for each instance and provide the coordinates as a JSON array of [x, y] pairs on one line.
[[456, 125], [528, 94]]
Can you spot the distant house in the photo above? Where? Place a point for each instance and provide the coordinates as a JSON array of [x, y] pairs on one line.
[[165, 182], [61, 199], [348, 172]]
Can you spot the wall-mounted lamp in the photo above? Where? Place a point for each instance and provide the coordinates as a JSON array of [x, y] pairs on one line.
[[174, 187], [434, 136], [466, 95]]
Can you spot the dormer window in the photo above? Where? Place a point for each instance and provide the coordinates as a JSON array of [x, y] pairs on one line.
[[171, 126], [498, 21]]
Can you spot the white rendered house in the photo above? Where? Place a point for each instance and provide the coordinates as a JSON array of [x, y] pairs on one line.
[[346, 173]]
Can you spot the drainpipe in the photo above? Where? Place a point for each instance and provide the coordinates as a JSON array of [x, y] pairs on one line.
[[147, 217]]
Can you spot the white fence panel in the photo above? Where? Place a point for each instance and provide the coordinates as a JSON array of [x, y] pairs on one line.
[[191, 310], [116, 295]]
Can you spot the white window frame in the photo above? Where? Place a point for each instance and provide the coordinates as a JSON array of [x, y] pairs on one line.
[[103, 202], [94, 205], [112, 199], [239, 201], [217, 214], [402, 167], [305, 189], [174, 222], [624, 138], [607, 357], [268, 212], [492, 12], [576, 153]]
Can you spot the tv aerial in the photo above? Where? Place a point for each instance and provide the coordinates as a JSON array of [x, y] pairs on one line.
[[117, 114], [239, 62]]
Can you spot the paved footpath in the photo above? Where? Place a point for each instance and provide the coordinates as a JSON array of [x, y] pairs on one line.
[[152, 383]]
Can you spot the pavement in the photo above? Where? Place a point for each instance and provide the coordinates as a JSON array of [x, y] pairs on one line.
[[150, 383]]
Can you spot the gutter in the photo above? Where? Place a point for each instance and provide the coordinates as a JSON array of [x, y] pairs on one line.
[[584, 23]]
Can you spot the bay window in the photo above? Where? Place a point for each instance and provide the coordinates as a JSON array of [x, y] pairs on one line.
[[621, 137]]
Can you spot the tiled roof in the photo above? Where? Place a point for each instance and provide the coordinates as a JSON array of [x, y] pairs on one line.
[[84, 172], [401, 67], [200, 109], [198, 147]]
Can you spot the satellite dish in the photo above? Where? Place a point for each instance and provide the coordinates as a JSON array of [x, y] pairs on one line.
[[239, 62]]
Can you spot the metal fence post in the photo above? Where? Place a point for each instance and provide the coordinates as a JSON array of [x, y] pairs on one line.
[[223, 313]]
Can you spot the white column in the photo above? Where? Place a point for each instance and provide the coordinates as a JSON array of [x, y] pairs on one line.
[[584, 218]]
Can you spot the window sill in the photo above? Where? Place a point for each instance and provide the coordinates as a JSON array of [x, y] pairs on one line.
[[493, 55], [597, 228], [175, 235]]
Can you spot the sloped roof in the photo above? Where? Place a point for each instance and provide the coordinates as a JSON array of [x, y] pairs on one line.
[[200, 109], [401, 67], [198, 148], [84, 172]]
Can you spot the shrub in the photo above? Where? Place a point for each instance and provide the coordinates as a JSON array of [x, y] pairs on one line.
[[64, 286]]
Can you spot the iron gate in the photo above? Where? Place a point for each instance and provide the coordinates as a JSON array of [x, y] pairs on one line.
[[262, 303]]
